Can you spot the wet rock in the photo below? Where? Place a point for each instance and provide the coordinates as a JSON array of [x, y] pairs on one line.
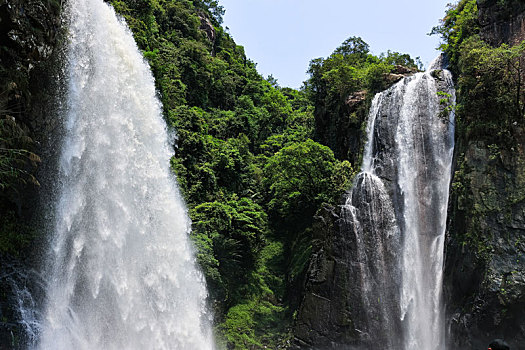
[[502, 22], [325, 316], [207, 27], [485, 270], [399, 72], [29, 31], [406, 71], [393, 78]]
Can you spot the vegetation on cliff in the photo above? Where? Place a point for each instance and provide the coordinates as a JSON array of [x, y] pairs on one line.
[[341, 87], [26, 42], [484, 269]]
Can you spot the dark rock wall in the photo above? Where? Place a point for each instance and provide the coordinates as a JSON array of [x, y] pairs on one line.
[[29, 34], [485, 251], [325, 319], [502, 22], [484, 272], [339, 127]]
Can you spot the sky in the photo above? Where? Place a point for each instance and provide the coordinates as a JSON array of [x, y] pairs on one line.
[[282, 36]]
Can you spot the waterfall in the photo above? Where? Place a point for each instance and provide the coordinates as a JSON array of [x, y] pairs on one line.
[[396, 213], [122, 272]]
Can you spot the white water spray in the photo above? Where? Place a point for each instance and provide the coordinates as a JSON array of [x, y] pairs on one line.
[[122, 273]]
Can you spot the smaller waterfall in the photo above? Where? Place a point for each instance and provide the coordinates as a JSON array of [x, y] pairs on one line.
[[369, 214], [397, 210]]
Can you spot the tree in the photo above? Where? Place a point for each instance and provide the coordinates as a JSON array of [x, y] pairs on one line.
[[299, 178], [353, 47], [229, 237]]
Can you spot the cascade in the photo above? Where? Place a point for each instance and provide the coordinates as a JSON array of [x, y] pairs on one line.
[[396, 213], [121, 272]]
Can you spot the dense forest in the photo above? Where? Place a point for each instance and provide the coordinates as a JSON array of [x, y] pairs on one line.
[[257, 162]]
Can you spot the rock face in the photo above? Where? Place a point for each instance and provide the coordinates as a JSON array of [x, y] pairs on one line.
[[342, 132], [485, 251], [325, 319], [28, 35], [207, 27], [502, 23], [29, 31], [485, 274]]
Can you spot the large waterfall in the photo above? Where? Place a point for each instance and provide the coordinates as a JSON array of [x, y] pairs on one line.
[[122, 273], [396, 213]]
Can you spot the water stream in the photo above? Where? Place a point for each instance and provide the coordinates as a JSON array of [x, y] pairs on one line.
[[122, 272]]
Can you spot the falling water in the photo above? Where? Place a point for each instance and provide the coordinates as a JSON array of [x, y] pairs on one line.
[[397, 210], [122, 273]]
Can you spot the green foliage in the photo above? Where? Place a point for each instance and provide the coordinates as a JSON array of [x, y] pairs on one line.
[[349, 71], [247, 325], [354, 49], [459, 23], [263, 316], [299, 178], [399, 59], [491, 83], [343, 72], [229, 237], [212, 7], [260, 320], [490, 79]]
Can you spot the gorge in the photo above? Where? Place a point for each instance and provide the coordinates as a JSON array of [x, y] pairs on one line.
[[337, 216]]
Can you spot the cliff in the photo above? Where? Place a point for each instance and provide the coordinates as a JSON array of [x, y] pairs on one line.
[[29, 32], [240, 138], [484, 268], [484, 275], [502, 22]]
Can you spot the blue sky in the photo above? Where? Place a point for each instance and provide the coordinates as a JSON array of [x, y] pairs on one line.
[[282, 36]]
